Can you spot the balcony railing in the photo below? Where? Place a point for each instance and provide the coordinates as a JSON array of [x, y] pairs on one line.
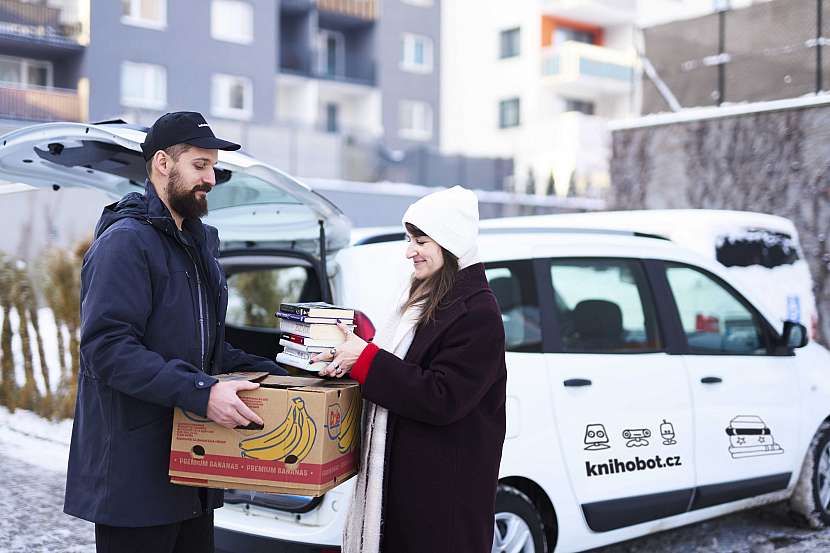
[[589, 68], [37, 21], [39, 104], [300, 65], [361, 9]]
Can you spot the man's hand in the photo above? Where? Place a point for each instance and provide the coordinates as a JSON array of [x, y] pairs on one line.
[[225, 407]]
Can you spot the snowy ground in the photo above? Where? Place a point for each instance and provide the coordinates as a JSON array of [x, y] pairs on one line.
[[33, 455]]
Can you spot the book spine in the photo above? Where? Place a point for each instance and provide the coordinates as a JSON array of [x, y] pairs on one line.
[[293, 309], [299, 353], [294, 327], [291, 316], [293, 361], [293, 338]]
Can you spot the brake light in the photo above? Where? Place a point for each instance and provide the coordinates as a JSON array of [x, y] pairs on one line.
[[330, 550]]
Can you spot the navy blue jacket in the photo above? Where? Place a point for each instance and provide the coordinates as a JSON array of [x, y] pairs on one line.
[[141, 356]]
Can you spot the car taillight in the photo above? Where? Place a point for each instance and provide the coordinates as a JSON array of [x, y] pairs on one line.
[[330, 550]]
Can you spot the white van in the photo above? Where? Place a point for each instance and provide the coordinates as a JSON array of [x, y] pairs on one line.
[[647, 388], [761, 251]]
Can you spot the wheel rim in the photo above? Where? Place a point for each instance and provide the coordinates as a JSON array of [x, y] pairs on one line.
[[823, 477], [512, 534]]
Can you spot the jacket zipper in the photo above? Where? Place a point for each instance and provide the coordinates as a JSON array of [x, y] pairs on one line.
[[201, 309]]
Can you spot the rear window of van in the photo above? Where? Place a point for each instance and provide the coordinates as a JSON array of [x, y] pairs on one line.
[[753, 247]]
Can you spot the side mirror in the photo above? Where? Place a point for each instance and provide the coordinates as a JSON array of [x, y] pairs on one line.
[[795, 335]]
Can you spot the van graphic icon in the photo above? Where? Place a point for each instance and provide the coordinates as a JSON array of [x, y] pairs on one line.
[[596, 438], [749, 436]]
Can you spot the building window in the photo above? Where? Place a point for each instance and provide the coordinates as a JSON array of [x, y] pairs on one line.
[[25, 73], [564, 34], [588, 108], [232, 97], [416, 55], [143, 85], [331, 54], [144, 13], [232, 21], [509, 43], [332, 118], [416, 120], [509, 113]]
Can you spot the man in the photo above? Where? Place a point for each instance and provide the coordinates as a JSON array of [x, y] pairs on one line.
[[153, 304]]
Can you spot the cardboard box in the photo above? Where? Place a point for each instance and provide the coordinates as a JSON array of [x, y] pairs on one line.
[[309, 443]]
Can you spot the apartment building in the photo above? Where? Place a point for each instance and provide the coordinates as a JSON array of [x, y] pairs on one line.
[[327, 88], [42, 46], [536, 80]]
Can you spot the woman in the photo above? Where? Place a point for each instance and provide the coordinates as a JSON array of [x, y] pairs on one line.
[[434, 421]]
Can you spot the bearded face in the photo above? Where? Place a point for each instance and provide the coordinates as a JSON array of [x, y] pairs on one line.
[[189, 201]]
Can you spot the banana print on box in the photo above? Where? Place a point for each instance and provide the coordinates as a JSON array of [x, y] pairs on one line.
[[291, 441], [348, 427]]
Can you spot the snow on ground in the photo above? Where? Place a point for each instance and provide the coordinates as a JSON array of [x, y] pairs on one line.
[[33, 454], [34, 440]]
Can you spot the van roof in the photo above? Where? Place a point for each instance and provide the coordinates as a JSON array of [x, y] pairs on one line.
[[571, 243], [665, 222]]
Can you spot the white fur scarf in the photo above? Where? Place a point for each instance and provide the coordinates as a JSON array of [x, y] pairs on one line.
[[363, 522]]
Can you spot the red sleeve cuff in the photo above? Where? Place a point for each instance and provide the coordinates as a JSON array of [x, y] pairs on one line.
[[361, 367]]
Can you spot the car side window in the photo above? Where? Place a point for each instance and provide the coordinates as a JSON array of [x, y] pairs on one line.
[[254, 294], [714, 320], [514, 287], [604, 306]]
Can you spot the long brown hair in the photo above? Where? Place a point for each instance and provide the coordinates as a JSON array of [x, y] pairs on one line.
[[429, 293]]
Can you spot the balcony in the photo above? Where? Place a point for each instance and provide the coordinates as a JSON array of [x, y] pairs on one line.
[[596, 12], [356, 9], [39, 104], [41, 25], [589, 70], [303, 66]]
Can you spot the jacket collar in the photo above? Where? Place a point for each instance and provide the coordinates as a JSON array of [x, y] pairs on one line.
[[160, 217], [469, 282]]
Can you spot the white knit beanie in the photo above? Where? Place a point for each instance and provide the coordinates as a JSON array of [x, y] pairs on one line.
[[450, 217]]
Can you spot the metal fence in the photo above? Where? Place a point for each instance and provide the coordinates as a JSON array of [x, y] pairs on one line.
[[767, 51]]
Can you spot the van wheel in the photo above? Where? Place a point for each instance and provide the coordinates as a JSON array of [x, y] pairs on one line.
[[810, 502], [518, 527]]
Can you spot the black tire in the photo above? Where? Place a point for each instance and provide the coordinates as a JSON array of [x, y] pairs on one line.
[[513, 508], [806, 502]]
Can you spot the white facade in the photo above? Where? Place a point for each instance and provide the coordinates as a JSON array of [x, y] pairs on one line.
[[306, 102], [566, 90]]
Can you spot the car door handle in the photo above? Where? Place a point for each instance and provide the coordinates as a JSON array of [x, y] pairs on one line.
[[572, 382], [711, 380]]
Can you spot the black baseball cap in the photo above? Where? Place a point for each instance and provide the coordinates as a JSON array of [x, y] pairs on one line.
[[182, 127]]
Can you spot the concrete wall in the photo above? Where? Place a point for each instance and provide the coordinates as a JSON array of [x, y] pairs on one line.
[[767, 161]]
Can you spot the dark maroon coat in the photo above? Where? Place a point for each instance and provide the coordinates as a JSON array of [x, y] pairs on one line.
[[446, 425]]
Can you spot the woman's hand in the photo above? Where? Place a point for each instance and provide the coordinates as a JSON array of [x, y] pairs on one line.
[[343, 357]]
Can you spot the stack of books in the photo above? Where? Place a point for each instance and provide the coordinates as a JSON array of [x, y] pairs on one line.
[[307, 329]]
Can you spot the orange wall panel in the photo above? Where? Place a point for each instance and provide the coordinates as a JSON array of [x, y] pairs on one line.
[[551, 23]]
